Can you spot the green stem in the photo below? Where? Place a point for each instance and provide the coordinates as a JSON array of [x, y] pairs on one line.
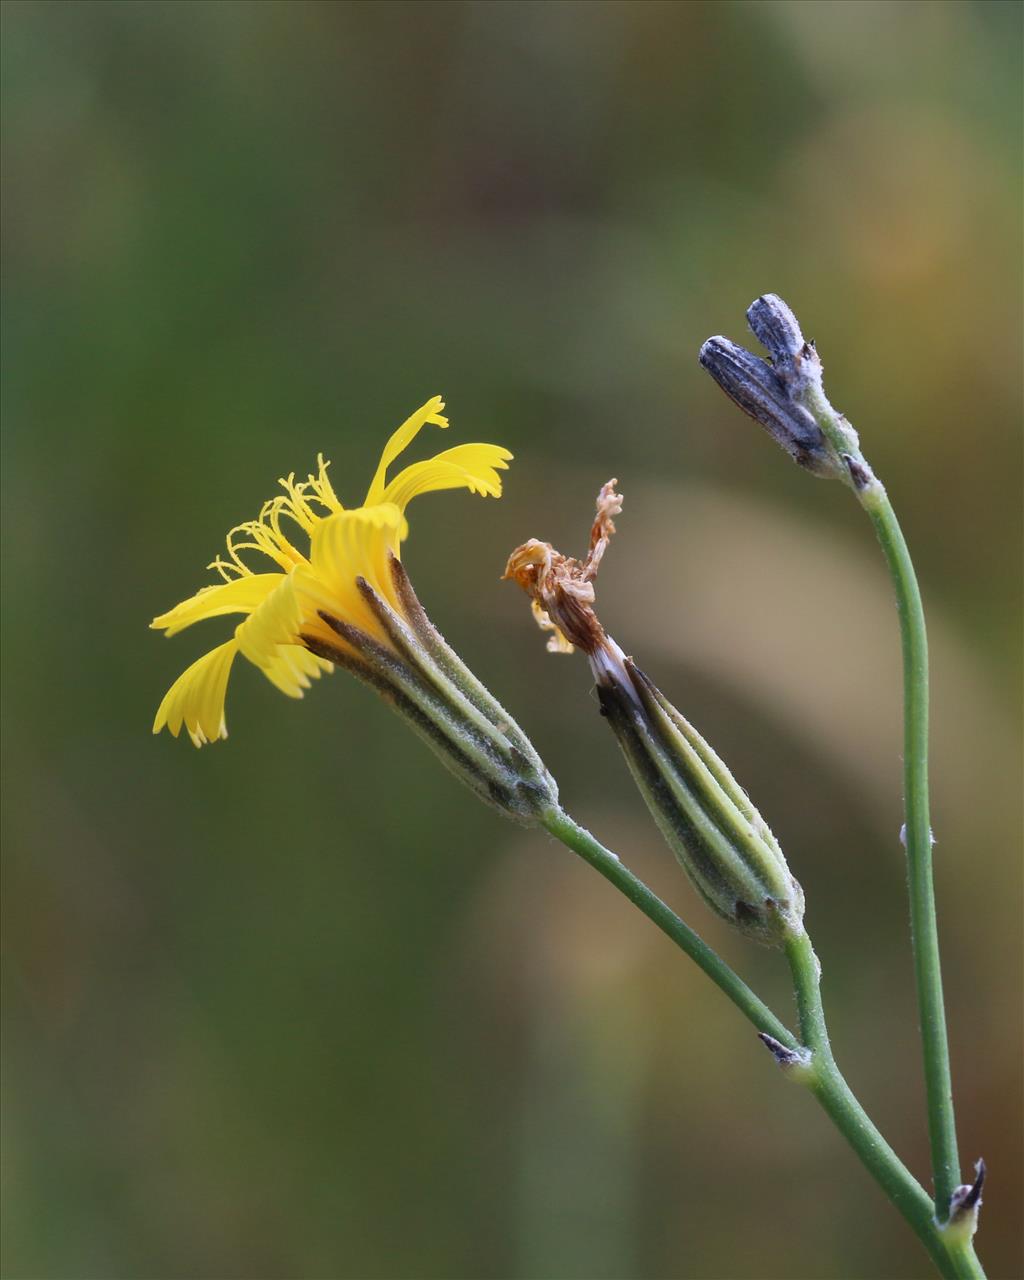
[[924, 929], [581, 842], [918, 833], [954, 1258], [953, 1255]]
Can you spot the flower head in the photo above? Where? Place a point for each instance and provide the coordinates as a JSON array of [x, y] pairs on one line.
[[319, 552], [722, 842], [344, 600]]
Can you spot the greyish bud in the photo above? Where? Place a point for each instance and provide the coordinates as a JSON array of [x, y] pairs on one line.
[[777, 329], [753, 385], [796, 362], [784, 393]]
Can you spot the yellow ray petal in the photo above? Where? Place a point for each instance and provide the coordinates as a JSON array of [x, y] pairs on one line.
[[355, 544], [402, 438], [292, 668], [268, 639], [468, 466], [347, 546], [276, 622], [241, 595], [196, 699]]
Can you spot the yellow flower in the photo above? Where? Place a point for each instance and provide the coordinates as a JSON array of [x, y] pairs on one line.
[[347, 566]]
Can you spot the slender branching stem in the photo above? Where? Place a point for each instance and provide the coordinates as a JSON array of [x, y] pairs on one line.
[[580, 841], [780, 393], [917, 832], [954, 1257]]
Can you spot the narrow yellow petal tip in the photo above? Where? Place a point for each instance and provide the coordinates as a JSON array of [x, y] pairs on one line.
[[196, 699]]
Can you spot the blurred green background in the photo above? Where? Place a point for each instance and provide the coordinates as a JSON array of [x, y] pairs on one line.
[[297, 1005]]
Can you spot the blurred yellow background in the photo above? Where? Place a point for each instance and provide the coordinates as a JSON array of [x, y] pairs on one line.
[[298, 1005]]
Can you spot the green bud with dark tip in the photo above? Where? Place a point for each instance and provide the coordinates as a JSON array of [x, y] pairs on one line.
[[719, 838]]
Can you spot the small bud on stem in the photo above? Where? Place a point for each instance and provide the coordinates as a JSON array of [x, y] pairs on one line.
[[790, 1060], [965, 1205], [785, 394]]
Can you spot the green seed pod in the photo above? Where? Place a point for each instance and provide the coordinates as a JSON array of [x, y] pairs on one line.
[[722, 842]]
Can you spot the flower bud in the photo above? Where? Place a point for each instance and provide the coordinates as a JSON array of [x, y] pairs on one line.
[[754, 385], [423, 679], [784, 394], [722, 842], [777, 329]]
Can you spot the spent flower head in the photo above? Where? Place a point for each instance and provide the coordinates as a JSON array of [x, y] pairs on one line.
[[722, 842], [342, 598]]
